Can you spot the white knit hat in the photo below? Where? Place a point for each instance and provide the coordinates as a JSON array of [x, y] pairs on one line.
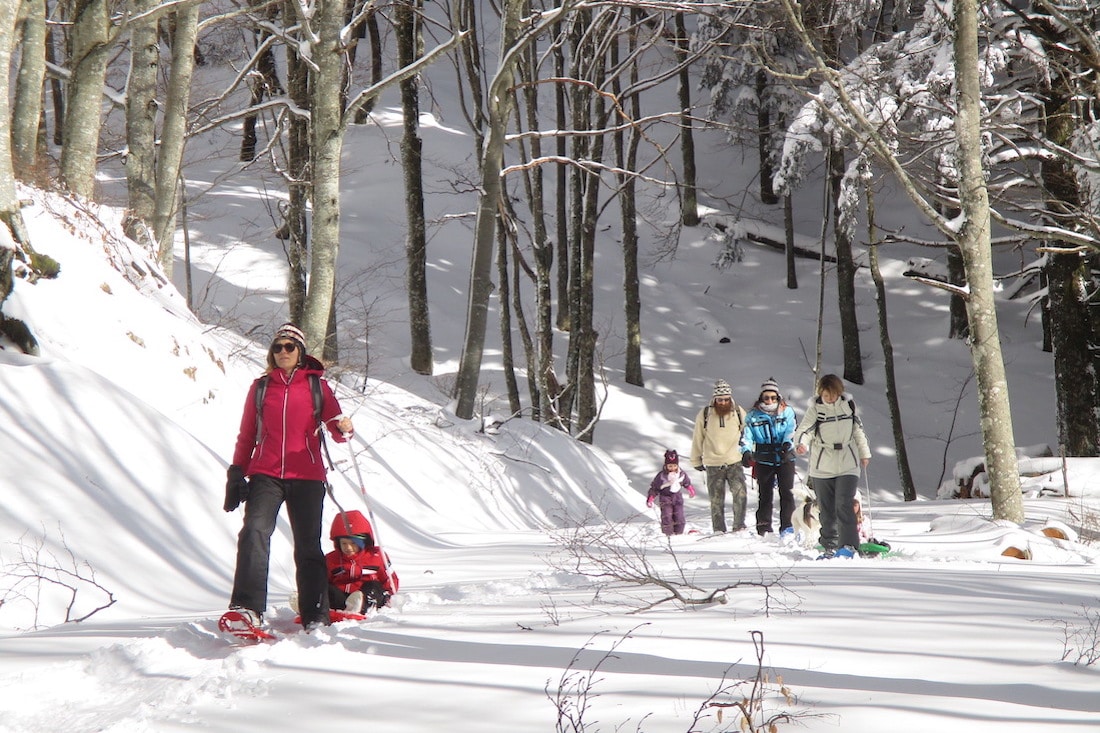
[[292, 332], [722, 389]]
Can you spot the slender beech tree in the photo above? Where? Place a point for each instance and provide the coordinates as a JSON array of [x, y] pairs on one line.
[[690, 205], [407, 25], [974, 241], [971, 234], [26, 118], [89, 40], [141, 123], [500, 100], [173, 133]]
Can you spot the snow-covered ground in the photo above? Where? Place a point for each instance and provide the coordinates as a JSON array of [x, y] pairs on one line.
[[115, 444]]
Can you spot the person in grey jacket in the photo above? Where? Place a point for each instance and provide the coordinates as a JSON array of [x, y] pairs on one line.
[[832, 434]]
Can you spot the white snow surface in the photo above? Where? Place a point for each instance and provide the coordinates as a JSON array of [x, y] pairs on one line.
[[115, 443]]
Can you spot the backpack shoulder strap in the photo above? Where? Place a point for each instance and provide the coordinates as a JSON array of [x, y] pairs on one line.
[[706, 415], [318, 396], [261, 390], [314, 389]]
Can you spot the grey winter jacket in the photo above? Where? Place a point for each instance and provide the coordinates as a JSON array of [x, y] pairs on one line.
[[835, 437]]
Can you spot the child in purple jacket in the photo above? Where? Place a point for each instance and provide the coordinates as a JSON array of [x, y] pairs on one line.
[[668, 487]]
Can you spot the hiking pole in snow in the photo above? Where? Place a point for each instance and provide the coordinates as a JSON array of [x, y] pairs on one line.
[[328, 484], [867, 512], [370, 509]]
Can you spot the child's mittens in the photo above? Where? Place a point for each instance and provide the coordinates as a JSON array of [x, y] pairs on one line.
[[691, 492], [649, 501]]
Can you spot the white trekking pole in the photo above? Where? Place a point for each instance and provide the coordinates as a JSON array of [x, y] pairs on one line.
[[370, 510], [867, 512]]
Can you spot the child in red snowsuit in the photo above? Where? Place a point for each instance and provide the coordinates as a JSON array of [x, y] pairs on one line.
[[358, 570], [668, 487]]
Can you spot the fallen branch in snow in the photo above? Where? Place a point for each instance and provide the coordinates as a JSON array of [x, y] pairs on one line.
[[612, 556], [36, 567]]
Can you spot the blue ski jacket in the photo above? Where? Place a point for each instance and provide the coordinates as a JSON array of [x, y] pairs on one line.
[[769, 435]]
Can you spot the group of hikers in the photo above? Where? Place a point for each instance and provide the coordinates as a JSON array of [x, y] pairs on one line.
[[278, 460], [726, 440]]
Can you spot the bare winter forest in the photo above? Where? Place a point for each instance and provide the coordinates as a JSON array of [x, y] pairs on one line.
[[580, 117]]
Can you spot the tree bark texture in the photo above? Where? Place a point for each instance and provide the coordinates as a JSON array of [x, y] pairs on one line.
[[89, 37], [326, 144], [975, 243], [26, 120], [416, 245], [500, 100], [141, 126]]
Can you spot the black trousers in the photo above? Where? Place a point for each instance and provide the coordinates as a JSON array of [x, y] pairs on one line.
[[304, 502], [767, 477]]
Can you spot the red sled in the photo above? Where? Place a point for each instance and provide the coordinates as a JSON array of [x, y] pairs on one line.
[[335, 616]]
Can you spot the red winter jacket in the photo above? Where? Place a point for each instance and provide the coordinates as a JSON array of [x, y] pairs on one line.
[[290, 446], [348, 573]]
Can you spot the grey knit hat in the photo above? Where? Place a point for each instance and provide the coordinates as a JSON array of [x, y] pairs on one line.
[[770, 385], [722, 389]]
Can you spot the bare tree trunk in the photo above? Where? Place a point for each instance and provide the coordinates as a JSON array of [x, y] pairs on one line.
[[763, 140], [542, 360], [788, 232], [88, 68], [500, 100], [504, 298], [26, 121], [10, 215], [173, 134], [959, 323], [296, 216], [266, 81], [374, 35], [974, 241], [561, 188], [845, 273], [416, 245], [1067, 274], [690, 215], [627, 159], [905, 475], [326, 143], [141, 126]]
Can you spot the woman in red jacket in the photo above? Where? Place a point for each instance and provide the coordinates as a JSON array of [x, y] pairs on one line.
[[278, 460], [359, 572]]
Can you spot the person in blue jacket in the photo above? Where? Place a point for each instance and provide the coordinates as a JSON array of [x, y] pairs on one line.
[[766, 442]]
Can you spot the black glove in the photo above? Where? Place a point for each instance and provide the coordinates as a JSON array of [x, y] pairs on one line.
[[748, 460], [699, 468], [236, 488]]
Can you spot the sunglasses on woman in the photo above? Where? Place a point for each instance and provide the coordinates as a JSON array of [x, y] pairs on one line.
[[289, 347], [770, 398]]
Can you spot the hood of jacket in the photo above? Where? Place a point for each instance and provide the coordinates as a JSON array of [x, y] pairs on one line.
[[350, 524]]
